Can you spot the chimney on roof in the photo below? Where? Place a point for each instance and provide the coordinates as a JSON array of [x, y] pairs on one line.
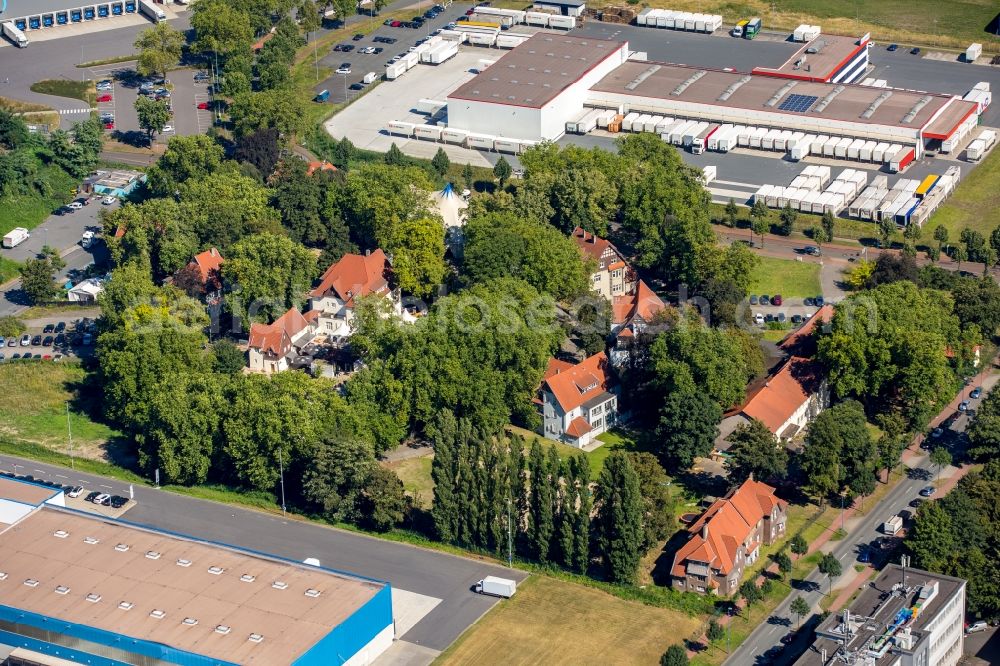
[[368, 253], [704, 530], [750, 478]]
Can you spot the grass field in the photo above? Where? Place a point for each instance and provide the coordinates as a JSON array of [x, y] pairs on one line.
[[974, 204], [415, 473], [8, 269], [791, 279], [82, 90], [30, 210], [554, 622], [33, 408], [927, 22]]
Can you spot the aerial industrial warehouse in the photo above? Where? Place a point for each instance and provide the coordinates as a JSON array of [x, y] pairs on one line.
[[98, 591], [38, 14], [532, 92]]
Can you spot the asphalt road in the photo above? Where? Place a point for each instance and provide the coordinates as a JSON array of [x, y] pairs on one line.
[[426, 572], [813, 587]]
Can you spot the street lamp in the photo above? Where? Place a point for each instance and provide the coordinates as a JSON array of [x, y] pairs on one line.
[[281, 472]]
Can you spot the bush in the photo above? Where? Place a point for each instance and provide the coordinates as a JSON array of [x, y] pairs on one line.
[[11, 327]]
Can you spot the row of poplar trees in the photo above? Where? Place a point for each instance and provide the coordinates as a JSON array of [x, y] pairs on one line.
[[488, 495]]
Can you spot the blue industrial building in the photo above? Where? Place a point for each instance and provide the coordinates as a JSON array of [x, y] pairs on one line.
[[94, 590]]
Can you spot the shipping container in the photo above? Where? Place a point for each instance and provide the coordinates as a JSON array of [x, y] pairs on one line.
[[743, 136], [428, 132], [854, 149], [830, 146], [662, 126], [395, 70], [650, 124], [926, 185], [454, 135], [989, 138], [901, 160], [890, 152], [974, 51], [713, 139], [693, 131], [480, 141], [975, 150], [537, 18], [817, 144], [506, 40], [400, 128], [757, 137], [865, 154], [511, 146], [643, 16], [677, 133], [628, 120], [562, 22], [727, 142], [840, 150], [708, 174]]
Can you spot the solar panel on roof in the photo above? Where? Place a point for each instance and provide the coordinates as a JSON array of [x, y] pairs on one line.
[[797, 103]]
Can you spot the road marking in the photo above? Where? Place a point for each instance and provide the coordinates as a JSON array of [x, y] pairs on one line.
[[40, 471], [736, 183], [70, 112], [104, 486], [61, 476]]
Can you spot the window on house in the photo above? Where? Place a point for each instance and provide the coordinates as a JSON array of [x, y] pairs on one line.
[[597, 423], [597, 410]]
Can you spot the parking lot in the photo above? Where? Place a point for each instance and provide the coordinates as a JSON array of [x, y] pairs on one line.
[[51, 341], [339, 85], [186, 95]]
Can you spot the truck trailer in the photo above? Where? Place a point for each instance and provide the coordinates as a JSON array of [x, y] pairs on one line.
[[14, 34], [753, 27], [15, 237], [154, 13]]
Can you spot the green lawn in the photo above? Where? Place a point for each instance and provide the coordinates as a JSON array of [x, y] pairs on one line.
[[415, 473], [974, 204], [29, 211], [33, 409], [82, 90], [791, 279], [8, 269]]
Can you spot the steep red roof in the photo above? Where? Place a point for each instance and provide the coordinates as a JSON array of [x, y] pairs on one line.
[[276, 338], [556, 366], [208, 264], [803, 342], [642, 303], [575, 385], [578, 427], [319, 166], [783, 393], [355, 275], [730, 522], [595, 247]]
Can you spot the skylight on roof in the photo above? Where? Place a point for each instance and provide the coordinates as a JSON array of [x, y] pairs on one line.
[[223, 629], [279, 585], [61, 534], [31, 582], [126, 605], [122, 547], [248, 578], [215, 571], [62, 589], [91, 540], [93, 598], [312, 592], [190, 621], [256, 638], [152, 555], [157, 614], [183, 563], [3, 575]]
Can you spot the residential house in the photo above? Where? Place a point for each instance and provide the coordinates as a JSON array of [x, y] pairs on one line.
[[631, 314], [613, 276], [726, 539], [785, 402], [208, 267], [273, 346], [322, 165], [86, 291], [353, 277], [578, 402]]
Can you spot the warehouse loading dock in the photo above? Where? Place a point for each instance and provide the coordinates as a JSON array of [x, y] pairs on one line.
[[32, 15]]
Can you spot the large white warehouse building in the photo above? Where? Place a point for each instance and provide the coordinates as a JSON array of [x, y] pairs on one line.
[[532, 91]]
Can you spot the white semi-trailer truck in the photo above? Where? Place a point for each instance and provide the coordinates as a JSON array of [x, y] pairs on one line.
[[154, 13], [14, 34]]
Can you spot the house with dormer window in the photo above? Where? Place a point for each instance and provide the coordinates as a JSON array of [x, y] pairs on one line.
[[353, 277], [726, 539], [613, 276], [578, 402]]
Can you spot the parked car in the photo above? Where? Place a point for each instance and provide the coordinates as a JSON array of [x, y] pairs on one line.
[[47, 341], [76, 491], [108, 201], [88, 340], [345, 68], [927, 491], [49, 328], [357, 86], [758, 319], [936, 433], [963, 406], [818, 301], [74, 205], [915, 50], [358, 37], [764, 299], [117, 501], [976, 392], [12, 341], [104, 98], [395, 24], [975, 627], [202, 76], [167, 129], [776, 299], [780, 317], [892, 47], [25, 340], [753, 299], [36, 341], [812, 250], [91, 496], [796, 319]]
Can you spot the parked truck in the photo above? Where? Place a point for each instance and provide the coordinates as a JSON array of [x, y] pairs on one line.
[[15, 237], [496, 587], [892, 526], [14, 34], [154, 13], [740, 28], [752, 28]]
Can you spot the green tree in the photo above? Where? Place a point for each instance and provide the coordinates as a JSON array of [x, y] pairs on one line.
[[654, 486], [940, 457], [38, 280], [540, 502], [186, 158], [751, 594], [828, 224], [799, 608], [886, 228], [381, 503], [153, 115], [51, 255], [345, 8], [159, 49], [271, 274], [440, 162], [731, 213], [830, 567], [818, 234], [229, 359], [337, 474], [502, 171], [798, 545], [417, 247], [394, 156], [13, 130], [227, 206], [941, 235], [467, 176], [931, 539], [715, 631], [788, 216], [267, 109], [308, 17], [784, 563], [758, 219], [11, 326], [688, 426], [220, 28], [675, 655], [619, 527], [379, 196], [755, 451], [502, 244]]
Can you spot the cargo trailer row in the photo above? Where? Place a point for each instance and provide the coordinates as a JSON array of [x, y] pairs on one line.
[[942, 188], [439, 53], [981, 95], [956, 139], [910, 201], [982, 145], [406, 63], [546, 20], [806, 33], [458, 137], [845, 148], [675, 20], [589, 120], [809, 193]]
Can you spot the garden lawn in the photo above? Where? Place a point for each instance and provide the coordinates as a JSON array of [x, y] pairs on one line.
[[29, 211], [790, 278], [81, 90], [550, 621], [415, 473]]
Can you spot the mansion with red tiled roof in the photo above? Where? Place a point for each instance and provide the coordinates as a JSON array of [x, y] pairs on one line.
[[353, 277], [272, 345], [726, 539], [613, 276], [578, 402]]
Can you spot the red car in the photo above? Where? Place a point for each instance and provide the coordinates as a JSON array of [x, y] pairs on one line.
[[395, 24], [104, 98], [202, 105]]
